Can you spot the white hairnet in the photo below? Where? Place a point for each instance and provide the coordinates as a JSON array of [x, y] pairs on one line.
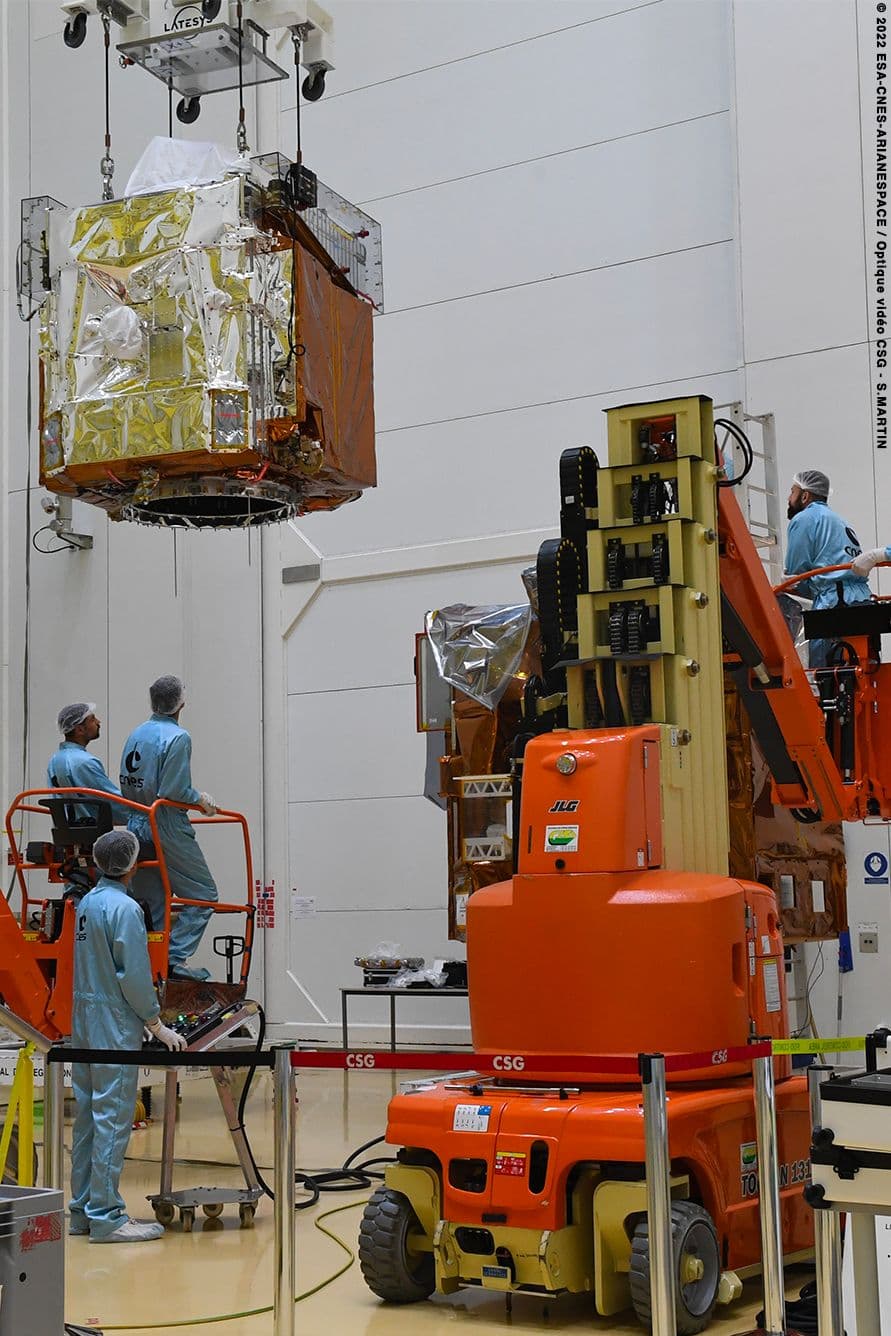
[[72, 715], [813, 481], [116, 852], [167, 694]]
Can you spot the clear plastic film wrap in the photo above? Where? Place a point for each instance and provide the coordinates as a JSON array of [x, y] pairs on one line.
[[478, 649], [793, 615]]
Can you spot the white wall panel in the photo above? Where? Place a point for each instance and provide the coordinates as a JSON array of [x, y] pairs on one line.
[[386, 854], [821, 403], [324, 947], [563, 214], [801, 200], [490, 474], [354, 744], [363, 634], [646, 67], [391, 39], [67, 634], [656, 320]]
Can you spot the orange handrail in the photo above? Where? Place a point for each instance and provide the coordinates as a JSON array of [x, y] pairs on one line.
[[794, 580], [222, 816]]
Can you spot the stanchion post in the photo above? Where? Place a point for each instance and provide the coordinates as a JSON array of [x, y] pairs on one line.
[[53, 1124], [658, 1171], [284, 1163], [769, 1197], [827, 1236]]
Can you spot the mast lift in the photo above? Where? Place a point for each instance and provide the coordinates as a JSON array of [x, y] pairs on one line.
[[621, 909]]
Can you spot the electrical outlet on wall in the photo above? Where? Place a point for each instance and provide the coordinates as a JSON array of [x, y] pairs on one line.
[[868, 937]]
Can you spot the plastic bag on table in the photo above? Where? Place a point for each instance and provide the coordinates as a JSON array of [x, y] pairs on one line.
[[388, 955], [434, 976]]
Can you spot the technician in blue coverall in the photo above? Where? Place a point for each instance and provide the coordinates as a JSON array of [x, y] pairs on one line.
[[72, 766], [819, 537], [156, 763], [114, 1000]]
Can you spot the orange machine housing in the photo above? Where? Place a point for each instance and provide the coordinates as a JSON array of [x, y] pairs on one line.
[[596, 911]]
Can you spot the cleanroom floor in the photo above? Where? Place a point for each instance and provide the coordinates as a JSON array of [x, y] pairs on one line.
[[220, 1269]]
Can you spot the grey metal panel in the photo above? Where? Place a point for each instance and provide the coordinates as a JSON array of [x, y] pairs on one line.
[[32, 1262]]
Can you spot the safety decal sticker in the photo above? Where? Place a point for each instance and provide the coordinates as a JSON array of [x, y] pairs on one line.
[[748, 1156], [512, 1163], [875, 866], [561, 839], [471, 1117], [772, 986]]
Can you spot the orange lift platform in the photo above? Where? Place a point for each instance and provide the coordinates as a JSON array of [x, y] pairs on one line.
[[37, 937], [621, 930]]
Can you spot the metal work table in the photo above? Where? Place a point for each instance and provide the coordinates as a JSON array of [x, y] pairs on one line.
[[392, 994]]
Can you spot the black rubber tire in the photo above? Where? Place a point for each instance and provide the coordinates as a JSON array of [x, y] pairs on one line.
[[389, 1271], [11, 1170], [188, 109], [75, 30], [314, 86], [692, 1230]]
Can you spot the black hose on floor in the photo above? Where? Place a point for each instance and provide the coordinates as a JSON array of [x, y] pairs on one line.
[[349, 1177]]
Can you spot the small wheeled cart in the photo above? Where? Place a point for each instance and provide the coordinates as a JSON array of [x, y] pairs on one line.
[[204, 1030]]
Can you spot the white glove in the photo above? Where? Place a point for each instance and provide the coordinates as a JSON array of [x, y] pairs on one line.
[[207, 804], [169, 1038], [863, 564]]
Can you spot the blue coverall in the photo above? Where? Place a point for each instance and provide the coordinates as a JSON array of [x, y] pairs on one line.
[[819, 537], [156, 764], [72, 767], [113, 999]]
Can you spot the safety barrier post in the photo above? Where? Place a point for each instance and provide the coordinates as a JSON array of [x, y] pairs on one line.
[[769, 1197], [827, 1236], [285, 1163], [658, 1172], [53, 1124]]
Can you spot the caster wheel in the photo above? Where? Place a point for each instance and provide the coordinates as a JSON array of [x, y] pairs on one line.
[[188, 109], [187, 1216], [314, 85], [246, 1212], [75, 30], [213, 1210], [165, 1213]]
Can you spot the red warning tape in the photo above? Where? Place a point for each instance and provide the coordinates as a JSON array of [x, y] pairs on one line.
[[516, 1064]]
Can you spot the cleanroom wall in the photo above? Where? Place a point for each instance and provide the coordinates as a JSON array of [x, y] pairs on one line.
[[556, 192], [100, 625], [809, 109], [555, 185], [583, 203]]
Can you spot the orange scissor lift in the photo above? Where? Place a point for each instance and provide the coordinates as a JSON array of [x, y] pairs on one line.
[[37, 938], [621, 931], [37, 962]]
